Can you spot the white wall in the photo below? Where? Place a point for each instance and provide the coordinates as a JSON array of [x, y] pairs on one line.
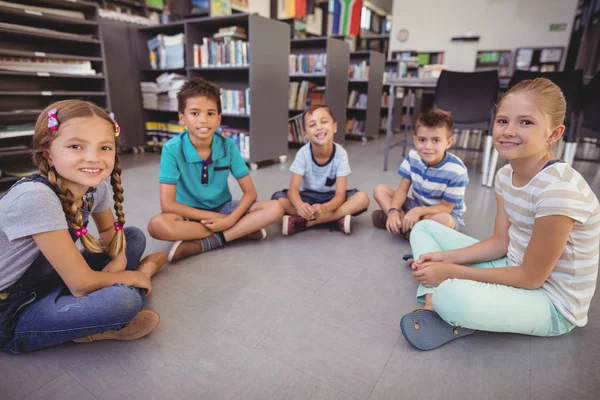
[[501, 25]]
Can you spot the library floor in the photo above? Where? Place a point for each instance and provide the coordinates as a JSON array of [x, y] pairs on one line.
[[312, 316]]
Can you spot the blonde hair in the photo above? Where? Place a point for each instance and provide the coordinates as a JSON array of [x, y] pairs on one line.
[[549, 99], [43, 138]]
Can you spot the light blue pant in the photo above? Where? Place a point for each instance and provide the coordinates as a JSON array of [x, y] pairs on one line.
[[484, 306]]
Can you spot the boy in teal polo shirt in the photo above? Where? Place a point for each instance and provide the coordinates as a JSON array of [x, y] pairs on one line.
[[198, 212]]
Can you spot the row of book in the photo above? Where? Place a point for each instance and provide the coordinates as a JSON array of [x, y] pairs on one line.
[[358, 72], [167, 51], [44, 65], [228, 47], [157, 133], [357, 100], [222, 53], [296, 130], [304, 93], [236, 101], [308, 64], [355, 126]]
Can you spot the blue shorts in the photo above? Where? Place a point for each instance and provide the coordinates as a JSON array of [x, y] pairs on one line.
[[409, 204], [226, 209], [312, 197]]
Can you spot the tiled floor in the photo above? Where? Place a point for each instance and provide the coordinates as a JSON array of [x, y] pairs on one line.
[[313, 316]]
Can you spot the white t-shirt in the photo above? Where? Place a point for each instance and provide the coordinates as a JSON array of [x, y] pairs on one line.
[[320, 177]]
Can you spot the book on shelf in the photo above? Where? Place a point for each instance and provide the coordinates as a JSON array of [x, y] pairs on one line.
[[44, 10], [162, 94], [385, 99], [303, 94], [235, 101], [296, 130], [167, 52], [57, 66], [218, 53], [157, 133], [237, 32], [241, 138], [308, 64], [357, 100], [355, 127], [119, 15], [359, 71]]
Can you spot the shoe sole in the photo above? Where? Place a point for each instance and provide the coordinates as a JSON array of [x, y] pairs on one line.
[[374, 220], [264, 234], [347, 220], [426, 330], [284, 225], [173, 250]]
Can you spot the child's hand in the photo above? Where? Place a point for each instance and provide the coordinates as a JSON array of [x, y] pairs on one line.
[[218, 224], [318, 211], [394, 223], [142, 281], [410, 219], [427, 258], [117, 264], [434, 273], [306, 211]]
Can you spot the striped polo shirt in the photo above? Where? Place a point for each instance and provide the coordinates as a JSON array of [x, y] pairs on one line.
[[557, 190], [431, 184]]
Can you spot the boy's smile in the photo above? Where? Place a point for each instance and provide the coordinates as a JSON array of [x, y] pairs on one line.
[[201, 118], [432, 143], [320, 127]]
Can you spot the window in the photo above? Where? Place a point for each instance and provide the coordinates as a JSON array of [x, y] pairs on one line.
[[365, 18]]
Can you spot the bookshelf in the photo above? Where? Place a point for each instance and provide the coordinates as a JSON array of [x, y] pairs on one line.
[[333, 81], [539, 59], [263, 79], [499, 60], [365, 85], [36, 37]]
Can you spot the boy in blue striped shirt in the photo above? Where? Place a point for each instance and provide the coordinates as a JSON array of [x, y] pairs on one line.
[[433, 180]]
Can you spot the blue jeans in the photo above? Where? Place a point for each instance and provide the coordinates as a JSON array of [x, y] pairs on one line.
[[41, 312]]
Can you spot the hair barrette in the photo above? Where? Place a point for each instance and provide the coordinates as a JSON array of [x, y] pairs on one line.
[[118, 226], [117, 128], [52, 121], [81, 231]]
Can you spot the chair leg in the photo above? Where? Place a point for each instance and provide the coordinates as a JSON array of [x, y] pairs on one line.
[[492, 171], [570, 150], [465, 139], [487, 150], [478, 143]]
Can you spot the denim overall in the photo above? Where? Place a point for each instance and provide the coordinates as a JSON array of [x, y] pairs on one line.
[[39, 311]]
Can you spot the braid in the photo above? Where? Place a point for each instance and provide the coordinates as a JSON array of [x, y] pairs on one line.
[[118, 242], [70, 206]]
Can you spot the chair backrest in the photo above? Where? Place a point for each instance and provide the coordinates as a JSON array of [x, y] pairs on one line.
[[591, 105], [570, 82], [469, 96]]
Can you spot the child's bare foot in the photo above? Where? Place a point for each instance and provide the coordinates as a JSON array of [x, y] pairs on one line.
[[258, 235], [152, 263], [143, 324]]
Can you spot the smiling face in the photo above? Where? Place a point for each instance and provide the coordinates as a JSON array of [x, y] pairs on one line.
[[320, 127], [522, 130], [432, 143], [83, 153], [201, 118]]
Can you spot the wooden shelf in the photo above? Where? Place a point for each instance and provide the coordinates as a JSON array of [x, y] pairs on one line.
[[306, 76], [48, 35], [61, 93], [15, 153], [43, 74], [41, 54], [176, 70], [135, 4], [19, 113], [222, 68], [80, 5]]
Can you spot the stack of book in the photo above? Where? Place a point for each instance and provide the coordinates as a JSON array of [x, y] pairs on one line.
[[162, 94], [167, 52], [58, 66], [235, 101], [357, 100], [227, 48], [358, 72], [157, 133], [302, 64], [241, 139]]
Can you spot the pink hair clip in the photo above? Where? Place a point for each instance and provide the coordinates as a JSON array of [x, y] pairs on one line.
[[81, 231], [52, 121], [118, 226]]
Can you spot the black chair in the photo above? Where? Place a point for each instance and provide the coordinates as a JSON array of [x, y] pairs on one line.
[[571, 84], [471, 98], [589, 117]]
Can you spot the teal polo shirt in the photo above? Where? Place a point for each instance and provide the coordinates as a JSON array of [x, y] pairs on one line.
[[201, 183]]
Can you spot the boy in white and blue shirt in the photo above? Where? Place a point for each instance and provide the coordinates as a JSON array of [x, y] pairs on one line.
[[433, 180], [318, 189]]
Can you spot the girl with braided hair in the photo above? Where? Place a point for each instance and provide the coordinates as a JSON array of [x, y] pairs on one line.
[[50, 292]]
